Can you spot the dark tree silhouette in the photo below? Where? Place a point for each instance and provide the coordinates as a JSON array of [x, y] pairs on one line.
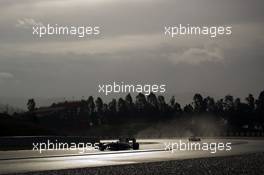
[[122, 109], [91, 105], [91, 110], [130, 106], [260, 106], [251, 102], [121, 105], [260, 101], [99, 105], [112, 107], [172, 101], [175, 107], [237, 104], [129, 100], [152, 100], [162, 104], [188, 109], [219, 107], [105, 117], [210, 104], [198, 102], [99, 109], [141, 102], [31, 105], [105, 108], [229, 103]]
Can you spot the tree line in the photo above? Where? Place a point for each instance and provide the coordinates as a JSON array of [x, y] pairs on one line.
[[154, 108]]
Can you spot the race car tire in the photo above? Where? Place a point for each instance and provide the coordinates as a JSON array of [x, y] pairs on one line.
[[135, 146], [101, 147]]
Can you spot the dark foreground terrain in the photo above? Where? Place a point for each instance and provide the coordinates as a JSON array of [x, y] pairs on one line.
[[243, 165]]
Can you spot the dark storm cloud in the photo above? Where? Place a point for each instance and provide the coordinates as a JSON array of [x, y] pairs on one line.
[[132, 47], [132, 17]]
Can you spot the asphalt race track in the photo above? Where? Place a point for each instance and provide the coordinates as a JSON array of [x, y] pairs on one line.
[[151, 150]]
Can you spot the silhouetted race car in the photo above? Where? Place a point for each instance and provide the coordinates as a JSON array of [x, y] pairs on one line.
[[194, 139], [121, 144]]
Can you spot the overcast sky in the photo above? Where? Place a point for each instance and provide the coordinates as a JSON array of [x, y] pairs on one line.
[[131, 48]]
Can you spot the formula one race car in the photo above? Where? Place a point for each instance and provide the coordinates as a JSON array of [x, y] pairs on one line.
[[194, 139], [121, 144]]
